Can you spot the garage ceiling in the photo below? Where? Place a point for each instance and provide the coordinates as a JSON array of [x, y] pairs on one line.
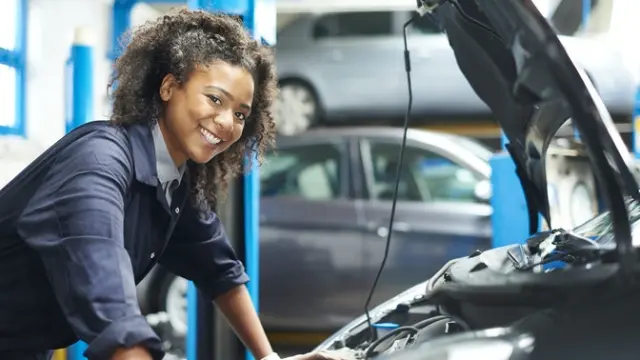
[[297, 6], [305, 6]]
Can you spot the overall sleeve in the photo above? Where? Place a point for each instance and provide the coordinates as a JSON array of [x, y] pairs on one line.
[[75, 223], [200, 251]]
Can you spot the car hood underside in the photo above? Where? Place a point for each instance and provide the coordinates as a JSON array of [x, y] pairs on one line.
[[516, 64]]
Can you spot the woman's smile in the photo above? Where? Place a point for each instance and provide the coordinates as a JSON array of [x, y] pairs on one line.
[[209, 137]]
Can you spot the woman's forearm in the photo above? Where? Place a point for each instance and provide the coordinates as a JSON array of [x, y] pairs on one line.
[[237, 307]]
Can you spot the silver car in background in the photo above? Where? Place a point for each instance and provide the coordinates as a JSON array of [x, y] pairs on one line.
[[339, 67]]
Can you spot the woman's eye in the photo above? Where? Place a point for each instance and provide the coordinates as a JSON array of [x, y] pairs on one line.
[[241, 116], [215, 99]]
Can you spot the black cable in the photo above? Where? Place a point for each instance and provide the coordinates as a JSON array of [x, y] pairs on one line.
[[426, 322], [470, 19], [407, 66]]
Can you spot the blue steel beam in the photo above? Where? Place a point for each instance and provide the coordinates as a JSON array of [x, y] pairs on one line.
[[120, 24], [510, 219], [16, 58], [586, 13], [21, 73], [82, 84], [9, 58]]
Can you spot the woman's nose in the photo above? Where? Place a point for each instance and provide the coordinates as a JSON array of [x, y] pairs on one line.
[[224, 122]]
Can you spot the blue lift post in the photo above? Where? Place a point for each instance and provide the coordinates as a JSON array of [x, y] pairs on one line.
[[206, 340], [635, 131], [80, 110], [120, 24], [510, 220], [80, 81]]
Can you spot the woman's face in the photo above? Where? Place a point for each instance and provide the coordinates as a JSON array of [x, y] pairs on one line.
[[206, 114]]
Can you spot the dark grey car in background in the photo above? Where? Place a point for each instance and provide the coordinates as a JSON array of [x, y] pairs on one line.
[[325, 204]]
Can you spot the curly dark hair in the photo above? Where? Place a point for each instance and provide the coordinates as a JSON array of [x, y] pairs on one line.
[[176, 44]]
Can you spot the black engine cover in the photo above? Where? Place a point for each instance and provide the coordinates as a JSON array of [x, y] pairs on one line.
[[488, 289]]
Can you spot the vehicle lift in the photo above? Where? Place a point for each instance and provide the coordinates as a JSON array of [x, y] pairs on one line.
[[208, 335]]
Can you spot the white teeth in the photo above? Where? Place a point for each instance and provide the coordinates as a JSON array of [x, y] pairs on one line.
[[211, 139]]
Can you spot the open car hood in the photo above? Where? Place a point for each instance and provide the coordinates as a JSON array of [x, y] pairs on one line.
[[516, 64]]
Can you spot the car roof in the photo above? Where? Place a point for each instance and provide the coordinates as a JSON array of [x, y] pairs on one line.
[[435, 138], [363, 131]]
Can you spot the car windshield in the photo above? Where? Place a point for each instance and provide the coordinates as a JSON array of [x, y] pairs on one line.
[[600, 228]]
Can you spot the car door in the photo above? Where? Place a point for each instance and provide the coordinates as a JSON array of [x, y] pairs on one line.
[[360, 59], [437, 216], [310, 236]]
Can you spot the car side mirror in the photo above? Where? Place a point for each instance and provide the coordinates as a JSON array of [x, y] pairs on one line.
[[483, 191]]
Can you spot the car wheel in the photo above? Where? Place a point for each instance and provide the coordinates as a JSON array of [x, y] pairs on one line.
[[297, 108], [173, 301]]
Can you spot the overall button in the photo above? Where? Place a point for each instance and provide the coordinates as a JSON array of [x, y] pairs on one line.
[[177, 210], [152, 255]]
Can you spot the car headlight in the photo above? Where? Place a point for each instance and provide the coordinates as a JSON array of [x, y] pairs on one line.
[[490, 344], [493, 349], [481, 349]]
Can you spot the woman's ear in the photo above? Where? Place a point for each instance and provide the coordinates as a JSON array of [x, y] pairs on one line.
[[167, 86]]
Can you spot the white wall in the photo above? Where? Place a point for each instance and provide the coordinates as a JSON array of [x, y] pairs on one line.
[[52, 24], [51, 29], [50, 35]]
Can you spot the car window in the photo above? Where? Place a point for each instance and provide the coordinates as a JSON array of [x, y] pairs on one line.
[[425, 175], [477, 148], [350, 24], [310, 172]]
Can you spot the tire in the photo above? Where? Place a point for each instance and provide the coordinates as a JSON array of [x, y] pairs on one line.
[[297, 109], [172, 299]]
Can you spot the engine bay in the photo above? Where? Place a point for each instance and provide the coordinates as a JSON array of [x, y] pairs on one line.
[[502, 288], [558, 289]]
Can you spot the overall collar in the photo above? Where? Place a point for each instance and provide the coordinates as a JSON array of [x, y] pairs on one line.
[[144, 157], [165, 167]]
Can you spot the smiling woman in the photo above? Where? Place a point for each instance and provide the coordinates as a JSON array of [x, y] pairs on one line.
[[216, 89], [88, 219]]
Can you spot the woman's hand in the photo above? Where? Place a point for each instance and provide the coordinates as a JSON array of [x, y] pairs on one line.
[[133, 353], [343, 354]]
